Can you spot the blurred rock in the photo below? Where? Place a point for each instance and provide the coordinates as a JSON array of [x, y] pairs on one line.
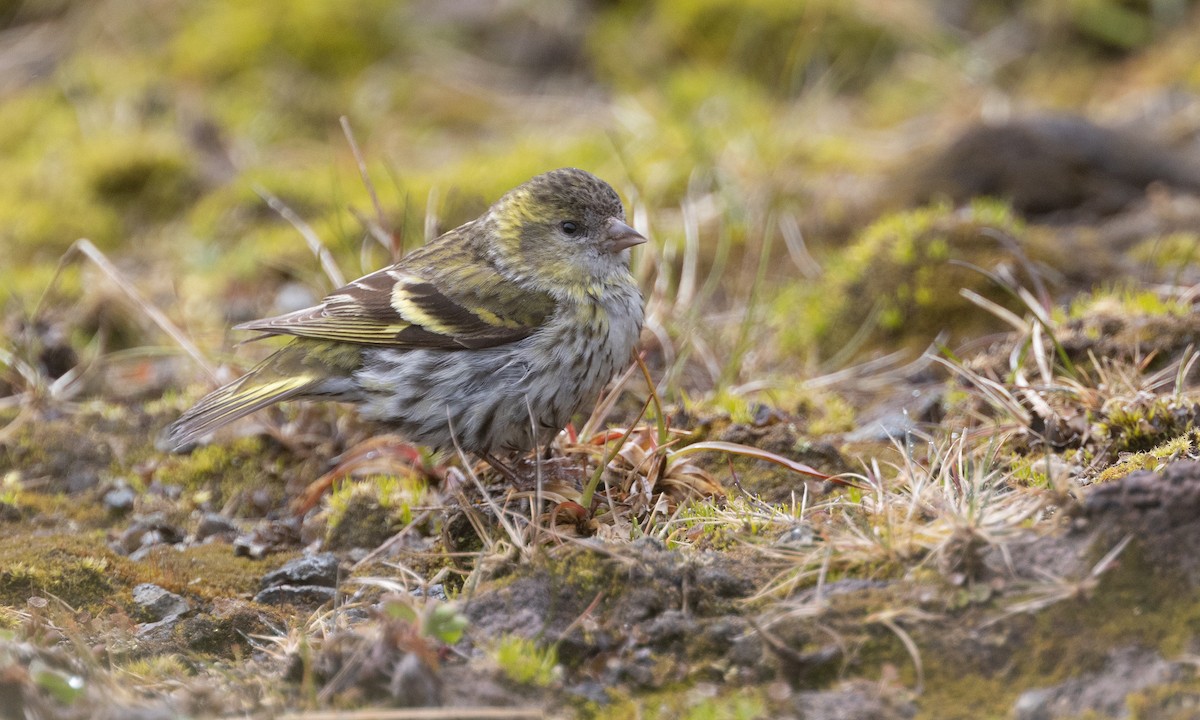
[[158, 603], [215, 525], [145, 533], [1104, 693], [1054, 167], [120, 499], [306, 596], [319, 570]]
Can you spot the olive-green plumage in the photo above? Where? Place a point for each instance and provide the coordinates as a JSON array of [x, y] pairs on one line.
[[508, 323]]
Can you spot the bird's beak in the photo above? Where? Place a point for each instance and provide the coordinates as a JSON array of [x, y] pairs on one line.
[[621, 236]]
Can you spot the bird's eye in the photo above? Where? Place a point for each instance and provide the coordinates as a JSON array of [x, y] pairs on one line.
[[570, 228]]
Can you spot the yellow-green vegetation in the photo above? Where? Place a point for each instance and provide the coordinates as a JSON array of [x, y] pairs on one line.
[[149, 672], [1140, 424], [77, 568], [899, 281], [705, 525], [209, 571], [220, 471], [584, 573], [755, 39], [1123, 302], [754, 142], [525, 661], [1183, 446], [364, 512], [739, 704], [1172, 253]]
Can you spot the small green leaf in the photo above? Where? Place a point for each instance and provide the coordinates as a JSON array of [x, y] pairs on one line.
[[446, 624]]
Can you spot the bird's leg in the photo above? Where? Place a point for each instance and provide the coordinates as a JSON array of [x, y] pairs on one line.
[[501, 467]]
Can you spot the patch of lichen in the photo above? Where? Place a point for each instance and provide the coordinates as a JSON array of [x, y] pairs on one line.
[[224, 470], [899, 282], [208, 571], [76, 567]]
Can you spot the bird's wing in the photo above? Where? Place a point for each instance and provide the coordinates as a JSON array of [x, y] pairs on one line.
[[471, 307]]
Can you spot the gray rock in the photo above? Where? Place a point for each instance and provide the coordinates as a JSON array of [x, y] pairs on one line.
[[120, 499], [309, 596], [216, 525], [1128, 670], [319, 569], [158, 603]]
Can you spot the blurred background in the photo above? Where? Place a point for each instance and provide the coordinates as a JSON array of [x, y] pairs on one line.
[[810, 172]]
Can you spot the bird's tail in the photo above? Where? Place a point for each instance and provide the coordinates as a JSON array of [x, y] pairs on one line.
[[264, 385]]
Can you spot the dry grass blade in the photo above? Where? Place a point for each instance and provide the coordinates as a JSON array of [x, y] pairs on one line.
[[380, 216], [757, 454], [328, 265], [91, 252]]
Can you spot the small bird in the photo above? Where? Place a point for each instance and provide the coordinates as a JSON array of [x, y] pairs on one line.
[[510, 322]]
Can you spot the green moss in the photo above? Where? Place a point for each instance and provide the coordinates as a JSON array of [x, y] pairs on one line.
[[1142, 423], [150, 671], [1173, 252], [147, 177], [1153, 459], [75, 567], [586, 573], [678, 702], [758, 40], [221, 471], [524, 662], [222, 40], [209, 571], [366, 512], [1124, 301], [900, 281]]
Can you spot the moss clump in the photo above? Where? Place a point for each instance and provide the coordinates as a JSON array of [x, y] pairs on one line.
[[584, 573], [150, 671], [209, 571], [148, 178], [1153, 459], [900, 281], [1139, 425], [775, 43], [1172, 254], [221, 471], [678, 702], [364, 514], [75, 567], [524, 662], [1123, 302]]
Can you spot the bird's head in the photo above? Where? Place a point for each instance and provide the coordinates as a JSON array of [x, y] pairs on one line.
[[563, 229]]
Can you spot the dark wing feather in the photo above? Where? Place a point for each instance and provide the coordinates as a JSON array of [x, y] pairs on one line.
[[469, 306]]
